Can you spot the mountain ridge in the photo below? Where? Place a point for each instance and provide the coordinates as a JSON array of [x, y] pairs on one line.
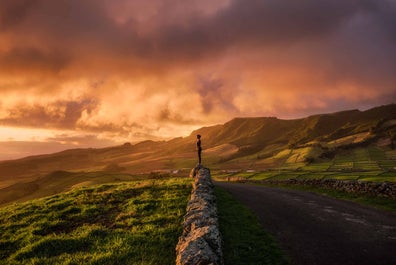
[[246, 136]]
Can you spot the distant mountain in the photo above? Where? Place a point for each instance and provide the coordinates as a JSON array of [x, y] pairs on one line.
[[241, 142], [266, 131]]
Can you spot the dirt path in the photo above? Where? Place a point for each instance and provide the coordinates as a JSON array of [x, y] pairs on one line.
[[314, 229]]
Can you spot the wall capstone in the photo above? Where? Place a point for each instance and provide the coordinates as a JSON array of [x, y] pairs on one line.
[[200, 242]]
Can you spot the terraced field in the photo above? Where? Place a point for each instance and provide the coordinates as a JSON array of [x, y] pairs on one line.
[[365, 164]]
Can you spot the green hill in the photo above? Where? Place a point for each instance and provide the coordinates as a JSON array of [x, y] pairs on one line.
[[137, 216], [319, 142], [126, 223], [62, 181]]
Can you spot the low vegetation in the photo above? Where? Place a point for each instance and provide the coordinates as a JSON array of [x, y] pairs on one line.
[[242, 143], [121, 223], [372, 163], [364, 164], [137, 221], [245, 242], [63, 181], [387, 204]]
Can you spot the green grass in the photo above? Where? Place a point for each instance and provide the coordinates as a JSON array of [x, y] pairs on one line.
[[391, 154], [366, 165], [388, 164], [284, 153], [372, 175], [343, 176], [342, 165], [264, 175], [317, 175], [361, 154], [223, 175], [63, 181], [372, 158], [376, 153], [244, 241], [317, 166], [126, 223], [387, 176], [243, 175], [379, 179], [387, 204], [299, 155], [286, 175]]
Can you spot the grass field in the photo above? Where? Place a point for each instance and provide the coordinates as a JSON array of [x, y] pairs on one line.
[[244, 241], [63, 181], [374, 176], [387, 204], [125, 223], [376, 164]]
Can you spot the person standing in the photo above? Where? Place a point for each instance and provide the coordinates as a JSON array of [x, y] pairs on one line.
[[199, 148]]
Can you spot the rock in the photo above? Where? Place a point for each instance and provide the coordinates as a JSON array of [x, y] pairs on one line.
[[200, 242], [385, 189], [194, 171]]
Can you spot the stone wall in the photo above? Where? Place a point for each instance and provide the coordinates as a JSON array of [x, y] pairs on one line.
[[200, 242], [385, 189]]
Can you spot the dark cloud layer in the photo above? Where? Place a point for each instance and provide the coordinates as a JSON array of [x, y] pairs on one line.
[[60, 114], [80, 26], [214, 94], [137, 67], [33, 60], [262, 22]]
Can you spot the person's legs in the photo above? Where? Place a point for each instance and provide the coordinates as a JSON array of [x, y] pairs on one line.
[[199, 156]]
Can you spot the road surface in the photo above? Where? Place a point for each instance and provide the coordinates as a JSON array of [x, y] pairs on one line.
[[315, 229]]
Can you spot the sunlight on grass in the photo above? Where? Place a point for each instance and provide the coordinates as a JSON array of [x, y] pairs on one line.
[[245, 241], [127, 223]]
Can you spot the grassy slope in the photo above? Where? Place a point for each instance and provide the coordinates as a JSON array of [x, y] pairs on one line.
[[62, 181], [127, 223], [244, 241], [242, 143], [372, 163], [248, 136]]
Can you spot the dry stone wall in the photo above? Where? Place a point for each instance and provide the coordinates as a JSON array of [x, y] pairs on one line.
[[200, 242], [385, 189]]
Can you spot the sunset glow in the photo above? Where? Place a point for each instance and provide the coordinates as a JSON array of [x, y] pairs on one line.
[[102, 72], [24, 134]]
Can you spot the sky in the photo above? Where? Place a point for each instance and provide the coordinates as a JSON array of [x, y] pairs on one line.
[[94, 73]]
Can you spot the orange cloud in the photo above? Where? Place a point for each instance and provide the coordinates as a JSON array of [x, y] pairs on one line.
[[153, 69]]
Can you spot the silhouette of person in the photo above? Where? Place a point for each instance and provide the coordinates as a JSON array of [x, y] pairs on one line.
[[199, 148]]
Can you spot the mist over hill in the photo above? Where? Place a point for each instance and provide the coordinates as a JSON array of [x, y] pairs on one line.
[[255, 143]]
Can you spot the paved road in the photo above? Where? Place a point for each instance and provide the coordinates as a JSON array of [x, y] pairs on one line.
[[314, 229]]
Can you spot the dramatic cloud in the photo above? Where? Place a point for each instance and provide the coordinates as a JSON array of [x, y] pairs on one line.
[[59, 114], [132, 70]]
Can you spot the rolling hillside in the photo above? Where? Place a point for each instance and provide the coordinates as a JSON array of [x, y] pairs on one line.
[[319, 142], [136, 222]]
